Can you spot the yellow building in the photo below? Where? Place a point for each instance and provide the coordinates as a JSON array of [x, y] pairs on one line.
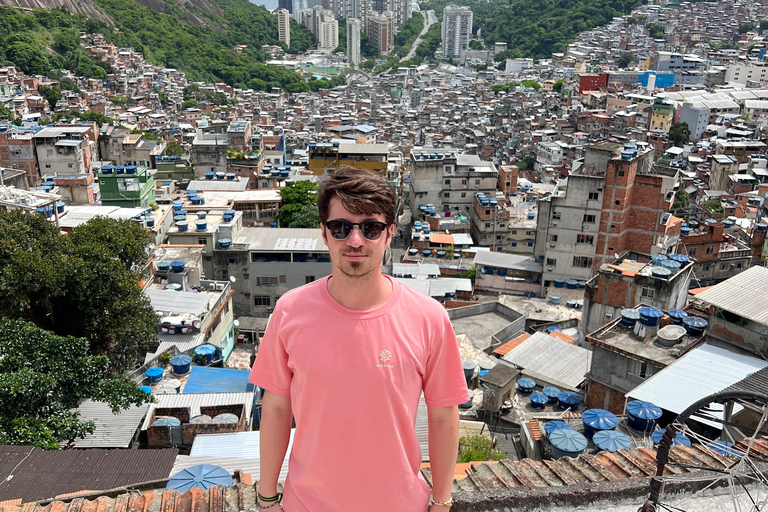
[[661, 116]]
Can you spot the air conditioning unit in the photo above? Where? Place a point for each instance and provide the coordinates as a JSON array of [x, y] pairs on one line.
[[220, 287], [552, 244], [212, 286]]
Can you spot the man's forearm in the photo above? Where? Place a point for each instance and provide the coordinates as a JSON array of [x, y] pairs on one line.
[[275, 434], [443, 450]]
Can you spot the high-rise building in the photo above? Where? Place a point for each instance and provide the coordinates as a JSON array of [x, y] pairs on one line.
[[380, 29], [328, 34], [401, 9], [284, 26], [456, 30], [298, 6], [353, 41], [285, 4]]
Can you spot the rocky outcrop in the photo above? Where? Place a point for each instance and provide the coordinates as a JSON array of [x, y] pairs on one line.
[[85, 7]]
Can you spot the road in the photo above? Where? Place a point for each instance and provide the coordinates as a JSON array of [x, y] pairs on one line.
[[428, 21]]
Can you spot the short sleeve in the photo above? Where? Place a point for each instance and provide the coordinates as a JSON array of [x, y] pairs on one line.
[[270, 370], [444, 383]]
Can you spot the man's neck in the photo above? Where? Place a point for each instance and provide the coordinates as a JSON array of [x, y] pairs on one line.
[[360, 294]]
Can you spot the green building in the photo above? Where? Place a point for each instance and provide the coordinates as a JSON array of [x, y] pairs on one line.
[[127, 186], [174, 168]]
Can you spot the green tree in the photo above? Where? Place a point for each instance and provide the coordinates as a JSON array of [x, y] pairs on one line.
[[763, 25], [5, 113], [682, 200], [29, 58], [67, 84], [368, 64], [476, 44], [558, 85], [120, 101], [51, 95], [297, 199], [656, 31], [174, 149], [626, 59], [745, 27], [85, 284], [188, 104], [526, 164], [714, 206], [43, 376], [478, 448], [679, 134]]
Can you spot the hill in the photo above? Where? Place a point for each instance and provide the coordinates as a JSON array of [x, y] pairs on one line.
[[537, 28], [195, 36]]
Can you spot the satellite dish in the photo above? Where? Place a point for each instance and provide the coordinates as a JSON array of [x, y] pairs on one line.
[[237, 323], [232, 279], [196, 324]]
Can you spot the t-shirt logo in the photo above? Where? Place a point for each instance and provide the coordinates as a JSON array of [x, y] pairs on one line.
[[385, 355]]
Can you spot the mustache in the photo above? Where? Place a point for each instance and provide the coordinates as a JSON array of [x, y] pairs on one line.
[[354, 251]]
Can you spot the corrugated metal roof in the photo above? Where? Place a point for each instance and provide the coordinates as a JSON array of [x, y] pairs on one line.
[[195, 401], [703, 371], [266, 239], [183, 342], [218, 185], [209, 379], [745, 294], [503, 260], [38, 474], [757, 382], [239, 450], [170, 301], [112, 430], [552, 357], [415, 269]]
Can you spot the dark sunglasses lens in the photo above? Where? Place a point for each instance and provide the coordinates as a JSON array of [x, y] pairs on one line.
[[372, 230], [339, 229]]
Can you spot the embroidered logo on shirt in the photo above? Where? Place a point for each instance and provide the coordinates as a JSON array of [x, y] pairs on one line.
[[384, 356]]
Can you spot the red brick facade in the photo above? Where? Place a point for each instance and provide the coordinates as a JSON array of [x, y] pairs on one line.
[[596, 398]]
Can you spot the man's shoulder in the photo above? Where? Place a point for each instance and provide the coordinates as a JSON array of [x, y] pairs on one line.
[[297, 296]]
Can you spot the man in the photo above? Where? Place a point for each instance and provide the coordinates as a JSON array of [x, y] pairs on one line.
[[348, 357]]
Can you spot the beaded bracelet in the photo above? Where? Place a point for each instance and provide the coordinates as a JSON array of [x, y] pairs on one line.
[[448, 503]]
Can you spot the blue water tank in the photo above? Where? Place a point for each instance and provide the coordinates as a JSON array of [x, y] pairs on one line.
[[231, 176], [426, 252], [551, 426], [629, 317], [658, 258], [555, 299], [469, 368], [572, 284], [598, 419], [642, 415], [567, 443], [179, 218], [178, 206], [525, 386], [502, 272], [677, 315], [221, 175], [531, 215], [552, 329], [164, 266], [150, 222], [672, 265], [582, 285], [426, 231], [468, 403], [146, 389], [695, 325], [661, 272], [209, 175], [154, 374], [413, 252], [679, 439], [167, 422], [205, 353], [685, 231], [649, 316], [181, 364], [680, 258], [202, 476], [441, 254], [551, 393], [201, 225], [538, 400], [201, 215], [183, 226], [568, 399], [571, 303], [611, 441], [559, 283], [60, 207], [224, 243], [178, 266]]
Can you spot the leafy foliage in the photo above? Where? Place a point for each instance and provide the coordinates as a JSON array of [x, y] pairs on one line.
[[558, 85], [626, 59], [476, 44], [537, 28], [714, 206], [679, 134], [84, 284], [43, 376], [478, 448], [299, 201], [526, 164], [656, 31], [174, 149], [682, 200], [67, 84]]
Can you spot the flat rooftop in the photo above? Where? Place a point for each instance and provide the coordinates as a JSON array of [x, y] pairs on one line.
[[479, 328]]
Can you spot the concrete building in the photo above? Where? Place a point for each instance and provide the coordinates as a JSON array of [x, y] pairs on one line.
[[353, 41], [696, 115], [628, 282], [508, 274], [325, 157], [662, 114], [17, 151], [127, 186], [268, 262], [298, 6], [63, 151], [284, 27], [456, 30], [752, 73], [718, 255], [380, 29], [449, 180], [209, 153], [328, 35], [614, 202]]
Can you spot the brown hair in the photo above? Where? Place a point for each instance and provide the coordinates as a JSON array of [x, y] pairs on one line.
[[360, 191]]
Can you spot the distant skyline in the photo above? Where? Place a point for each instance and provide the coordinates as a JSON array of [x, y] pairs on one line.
[[269, 4]]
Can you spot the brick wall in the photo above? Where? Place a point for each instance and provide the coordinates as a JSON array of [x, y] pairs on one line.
[[596, 399], [160, 436]]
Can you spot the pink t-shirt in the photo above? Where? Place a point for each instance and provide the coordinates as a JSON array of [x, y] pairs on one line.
[[355, 378]]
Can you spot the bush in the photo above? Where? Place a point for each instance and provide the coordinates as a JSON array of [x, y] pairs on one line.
[[478, 448]]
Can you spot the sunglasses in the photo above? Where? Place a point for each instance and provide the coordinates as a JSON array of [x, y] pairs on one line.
[[341, 229]]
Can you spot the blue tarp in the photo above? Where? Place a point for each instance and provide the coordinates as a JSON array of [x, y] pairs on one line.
[[205, 379]]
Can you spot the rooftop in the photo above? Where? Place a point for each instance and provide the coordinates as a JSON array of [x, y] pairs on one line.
[[551, 357], [745, 294]]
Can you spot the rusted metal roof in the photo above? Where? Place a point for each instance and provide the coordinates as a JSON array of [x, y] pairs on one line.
[[33, 474]]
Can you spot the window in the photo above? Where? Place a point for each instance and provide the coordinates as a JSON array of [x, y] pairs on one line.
[[710, 249], [446, 194], [309, 279], [487, 224], [585, 239], [128, 185], [498, 237], [529, 233], [71, 166], [513, 232], [261, 300], [639, 368], [617, 203], [692, 251], [556, 216], [551, 262], [463, 195], [582, 261], [706, 267], [463, 182], [621, 173], [589, 219], [648, 292], [477, 183], [514, 244], [530, 244], [724, 266], [594, 196], [447, 183], [553, 238], [202, 241], [487, 212], [267, 281]]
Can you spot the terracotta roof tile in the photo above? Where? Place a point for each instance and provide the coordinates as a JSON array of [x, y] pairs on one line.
[[512, 344], [560, 335]]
